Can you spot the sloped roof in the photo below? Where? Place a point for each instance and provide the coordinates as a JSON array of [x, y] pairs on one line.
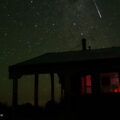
[[73, 56], [53, 59]]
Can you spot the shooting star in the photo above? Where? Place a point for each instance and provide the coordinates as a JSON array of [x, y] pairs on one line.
[[99, 13]]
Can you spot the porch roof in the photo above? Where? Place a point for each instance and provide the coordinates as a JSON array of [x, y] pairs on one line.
[[53, 62]]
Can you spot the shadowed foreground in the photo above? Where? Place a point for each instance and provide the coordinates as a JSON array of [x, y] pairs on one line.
[[91, 107]]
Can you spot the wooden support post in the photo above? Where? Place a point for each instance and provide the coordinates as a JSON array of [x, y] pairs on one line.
[[15, 92], [52, 87], [62, 92], [36, 90]]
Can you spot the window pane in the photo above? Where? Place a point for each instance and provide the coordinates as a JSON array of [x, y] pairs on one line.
[[109, 82]]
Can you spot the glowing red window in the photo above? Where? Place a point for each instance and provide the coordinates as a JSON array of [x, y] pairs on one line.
[[110, 82], [86, 84]]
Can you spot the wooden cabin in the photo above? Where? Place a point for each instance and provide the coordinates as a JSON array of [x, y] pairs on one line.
[[92, 72]]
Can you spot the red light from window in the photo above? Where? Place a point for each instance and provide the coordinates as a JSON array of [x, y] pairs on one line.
[[116, 90], [88, 80]]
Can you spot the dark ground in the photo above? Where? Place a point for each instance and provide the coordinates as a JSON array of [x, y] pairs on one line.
[[83, 108]]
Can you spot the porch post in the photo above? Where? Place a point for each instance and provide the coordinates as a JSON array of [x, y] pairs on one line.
[[15, 92], [36, 90], [52, 86], [62, 93]]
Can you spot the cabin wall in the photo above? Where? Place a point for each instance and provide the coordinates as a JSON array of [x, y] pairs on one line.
[[65, 83], [71, 84], [77, 84]]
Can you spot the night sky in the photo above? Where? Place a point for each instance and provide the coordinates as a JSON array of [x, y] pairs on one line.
[[30, 28]]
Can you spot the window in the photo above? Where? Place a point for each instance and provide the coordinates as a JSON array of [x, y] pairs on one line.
[[109, 82], [86, 84]]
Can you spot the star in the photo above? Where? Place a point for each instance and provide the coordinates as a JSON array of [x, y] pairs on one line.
[[31, 1], [5, 34], [74, 23], [37, 13], [81, 34], [53, 24], [36, 25]]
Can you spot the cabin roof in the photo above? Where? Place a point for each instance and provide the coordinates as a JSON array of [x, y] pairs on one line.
[[71, 56]]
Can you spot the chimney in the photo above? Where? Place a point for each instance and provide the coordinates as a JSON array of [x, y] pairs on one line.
[[83, 44]]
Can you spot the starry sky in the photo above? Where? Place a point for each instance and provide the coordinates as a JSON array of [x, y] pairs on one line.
[[30, 28]]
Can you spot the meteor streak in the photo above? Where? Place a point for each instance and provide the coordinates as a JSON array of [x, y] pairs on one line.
[[99, 13]]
